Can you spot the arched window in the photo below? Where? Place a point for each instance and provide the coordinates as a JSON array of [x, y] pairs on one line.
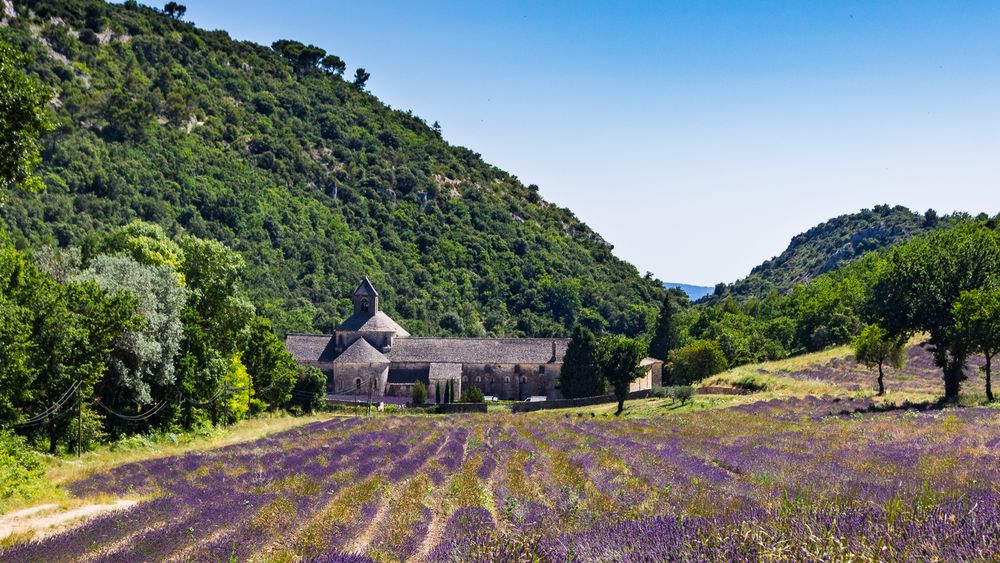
[[357, 383], [364, 303], [524, 379], [506, 380], [478, 379]]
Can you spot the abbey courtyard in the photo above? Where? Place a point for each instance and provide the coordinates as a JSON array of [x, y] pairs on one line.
[[371, 353]]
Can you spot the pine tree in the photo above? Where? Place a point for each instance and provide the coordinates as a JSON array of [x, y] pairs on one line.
[[580, 375]]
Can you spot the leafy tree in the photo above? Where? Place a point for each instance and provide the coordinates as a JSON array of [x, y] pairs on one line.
[[361, 77], [876, 347], [310, 389], [146, 243], [619, 359], [931, 219], [174, 10], [419, 395], [332, 64], [580, 376], [143, 358], [666, 337], [238, 390], [697, 361], [977, 324], [917, 286], [23, 120], [473, 395], [272, 369]]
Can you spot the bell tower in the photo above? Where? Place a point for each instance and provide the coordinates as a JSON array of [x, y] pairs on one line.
[[365, 298]]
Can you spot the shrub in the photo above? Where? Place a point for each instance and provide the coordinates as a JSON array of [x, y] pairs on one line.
[[682, 393], [750, 383], [473, 395], [20, 467], [697, 361], [419, 393]]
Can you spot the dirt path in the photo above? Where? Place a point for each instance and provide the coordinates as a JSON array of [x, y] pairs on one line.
[[46, 519]]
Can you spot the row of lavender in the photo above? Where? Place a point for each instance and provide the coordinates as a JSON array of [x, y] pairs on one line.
[[776, 480]]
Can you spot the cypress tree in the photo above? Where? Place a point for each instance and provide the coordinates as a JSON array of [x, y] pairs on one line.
[[437, 392], [665, 338], [580, 375]]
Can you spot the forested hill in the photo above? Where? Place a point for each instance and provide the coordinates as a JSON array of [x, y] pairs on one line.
[[276, 153], [837, 242]]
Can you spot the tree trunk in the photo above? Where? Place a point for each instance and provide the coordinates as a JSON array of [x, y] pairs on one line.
[[989, 387], [53, 437], [953, 375], [621, 406], [881, 381]]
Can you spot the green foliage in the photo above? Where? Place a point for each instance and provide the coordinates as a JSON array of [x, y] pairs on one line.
[[23, 120], [314, 183], [580, 376], [875, 347], [681, 393], [917, 286], [20, 467], [310, 389], [697, 361], [239, 389], [977, 326], [618, 358], [666, 336], [473, 395], [272, 370], [419, 396]]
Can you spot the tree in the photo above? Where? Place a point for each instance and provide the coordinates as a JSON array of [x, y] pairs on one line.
[[580, 375], [473, 395], [332, 64], [619, 359], [174, 10], [272, 369], [977, 324], [238, 390], [23, 121], [419, 395], [666, 337], [437, 392], [875, 347], [916, 287], [696, 361], [361, 77], [143, 359], [931, 219], [310, 389]]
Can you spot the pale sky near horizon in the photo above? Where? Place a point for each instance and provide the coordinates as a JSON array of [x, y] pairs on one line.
[[697, 137]]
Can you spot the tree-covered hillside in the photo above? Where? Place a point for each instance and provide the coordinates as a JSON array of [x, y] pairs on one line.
[[836, 242], [274, 153]]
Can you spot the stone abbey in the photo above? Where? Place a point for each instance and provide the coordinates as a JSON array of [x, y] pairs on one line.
[[370, 352]]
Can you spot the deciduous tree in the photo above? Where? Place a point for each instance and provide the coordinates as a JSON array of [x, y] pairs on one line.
[[875, 347], [619, 359], [23, 120], [977, 323]]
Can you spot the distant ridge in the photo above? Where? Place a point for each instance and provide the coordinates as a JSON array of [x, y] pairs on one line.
[[694, 292]]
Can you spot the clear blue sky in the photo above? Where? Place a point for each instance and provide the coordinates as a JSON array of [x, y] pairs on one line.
[[698, 137]]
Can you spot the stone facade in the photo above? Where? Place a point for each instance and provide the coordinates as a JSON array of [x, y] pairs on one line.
[[371, 352]]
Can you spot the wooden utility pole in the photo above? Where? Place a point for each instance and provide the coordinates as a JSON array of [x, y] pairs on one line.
[[79, 421]]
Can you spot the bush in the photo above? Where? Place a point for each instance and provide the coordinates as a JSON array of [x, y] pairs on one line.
[[682, 393], [473, 395], [697, 361], [419, 393], [20, 467], [750, 383]]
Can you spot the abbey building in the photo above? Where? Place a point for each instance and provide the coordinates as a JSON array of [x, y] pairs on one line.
[[371, 352]]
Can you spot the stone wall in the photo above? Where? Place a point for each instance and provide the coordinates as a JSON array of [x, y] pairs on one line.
[[582, 402], [512, 381], [347, 376]]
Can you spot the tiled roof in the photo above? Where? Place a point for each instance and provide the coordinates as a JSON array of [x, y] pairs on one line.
[[478, 350], [361, 352], [647, 361], [378, 322], [365, 288], [310, 347]]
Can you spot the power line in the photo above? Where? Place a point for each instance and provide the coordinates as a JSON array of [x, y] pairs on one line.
[[51, 411], [136, 417]]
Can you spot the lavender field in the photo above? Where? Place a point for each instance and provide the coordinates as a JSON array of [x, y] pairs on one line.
[[793, 479]]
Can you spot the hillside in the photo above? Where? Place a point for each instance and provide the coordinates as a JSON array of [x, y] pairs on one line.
[[313, 179], [694, 292], [836, 242]]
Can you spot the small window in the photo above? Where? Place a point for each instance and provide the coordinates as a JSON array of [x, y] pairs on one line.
[[465, 379], [479, 379], [524, 379], [357, 383], [364, 303], [506, 380], [517, 368], [491, 380]]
